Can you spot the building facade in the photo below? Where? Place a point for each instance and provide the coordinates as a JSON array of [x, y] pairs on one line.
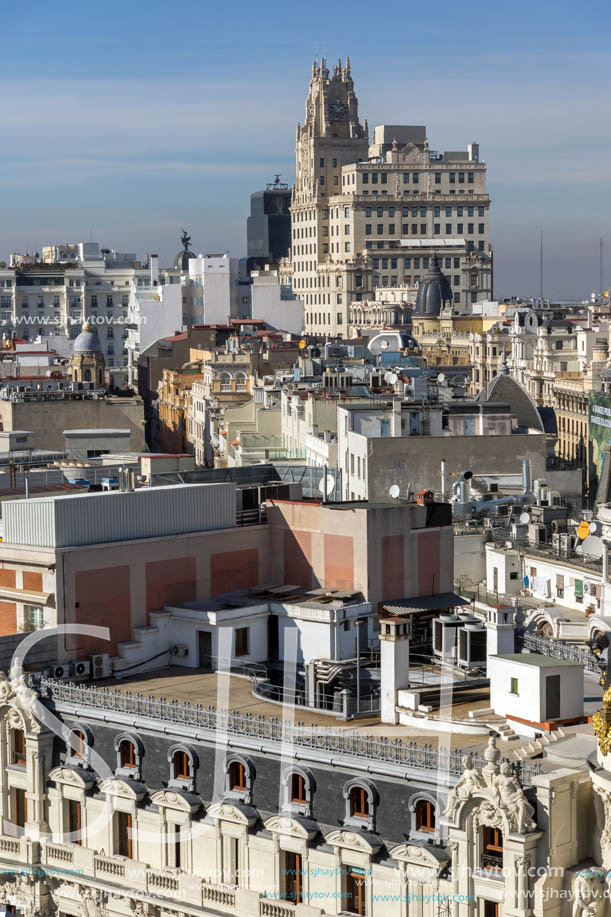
[[365, 216]]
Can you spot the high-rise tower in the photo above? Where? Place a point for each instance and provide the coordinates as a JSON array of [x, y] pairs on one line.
[[331, 137], [369, 217]]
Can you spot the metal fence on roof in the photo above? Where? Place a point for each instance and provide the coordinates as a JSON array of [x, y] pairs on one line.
[[270, 729]]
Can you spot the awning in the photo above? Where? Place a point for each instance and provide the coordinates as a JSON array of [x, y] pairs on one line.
[[421, 603], [25, 595]]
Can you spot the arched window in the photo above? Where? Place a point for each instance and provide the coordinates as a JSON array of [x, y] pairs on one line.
[[424, 811], [87, 375], [128, 754], [183, 765], [78, 744], [225, 382], [240, 382], [130, 751], [299, 786], [425, 816], [359, 803], [361, 799], [239, 778]]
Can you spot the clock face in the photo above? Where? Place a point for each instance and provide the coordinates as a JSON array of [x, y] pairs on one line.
[[337, 110]]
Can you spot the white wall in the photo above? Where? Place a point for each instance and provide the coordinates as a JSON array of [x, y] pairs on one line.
[[270, 305], [529, 703], [469, 559], [506, 562]]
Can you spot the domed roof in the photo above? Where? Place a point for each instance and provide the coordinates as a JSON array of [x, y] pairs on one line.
[[181, 261], [434, 291], [87, 340]]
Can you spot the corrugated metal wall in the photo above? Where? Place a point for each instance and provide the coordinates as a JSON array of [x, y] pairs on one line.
[[117, 516]]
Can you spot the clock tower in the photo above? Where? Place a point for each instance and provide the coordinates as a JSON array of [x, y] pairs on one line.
[[331, 137]]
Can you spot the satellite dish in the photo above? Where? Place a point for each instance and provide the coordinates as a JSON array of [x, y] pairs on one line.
[[391, 378], [441, 378], [524, 518], [595, 527], [592, 546], [330, 484], [394, 492], [384, 344], [387, 376]]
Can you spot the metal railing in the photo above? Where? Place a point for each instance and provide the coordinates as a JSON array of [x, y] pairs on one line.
[[271, 729], [491, 861], [558, 649]]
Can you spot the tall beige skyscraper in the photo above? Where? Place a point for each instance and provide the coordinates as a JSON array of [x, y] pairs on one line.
[[367, 216]]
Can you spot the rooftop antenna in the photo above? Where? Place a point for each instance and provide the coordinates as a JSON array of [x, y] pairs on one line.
[[601, 267], [541, 268]]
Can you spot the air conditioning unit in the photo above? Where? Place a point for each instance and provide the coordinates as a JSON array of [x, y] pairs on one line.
[[179, 649], [81, 669], [100, 665], [61, 672]]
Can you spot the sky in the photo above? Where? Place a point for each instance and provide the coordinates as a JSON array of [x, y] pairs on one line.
[[124, 122]]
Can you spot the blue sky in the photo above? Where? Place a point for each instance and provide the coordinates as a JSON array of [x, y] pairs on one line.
[[129, 120]]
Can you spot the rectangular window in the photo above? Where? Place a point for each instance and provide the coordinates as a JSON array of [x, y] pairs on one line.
[[241, 641], [322, 163], [346, 246], [492, 848], [340, 318], [293, 876], [415, 178], [391, 229], [19, 756], [355, 891], [448, 229], [34, 618], [406, 178], [380, 229], [367, 229], [480, 228], [124, 838], [461, 178], [374, 178], [470, 178], [513, 687], [452, 177], [436, 211], [74, 819], [384, 178], [365, 178], [367, 211], [436, 229], [437, 178], [20, 807]]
